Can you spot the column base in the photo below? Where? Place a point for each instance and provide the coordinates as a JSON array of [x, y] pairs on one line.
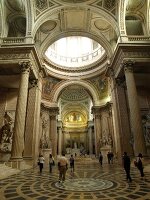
[[16, 159]]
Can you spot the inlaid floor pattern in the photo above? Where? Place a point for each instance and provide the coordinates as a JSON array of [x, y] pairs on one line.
[[88, 181]]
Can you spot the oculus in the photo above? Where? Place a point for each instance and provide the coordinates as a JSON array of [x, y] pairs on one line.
[[74, 51]]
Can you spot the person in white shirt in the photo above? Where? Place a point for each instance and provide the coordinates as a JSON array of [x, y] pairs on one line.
[[41, 162], [62, 167]]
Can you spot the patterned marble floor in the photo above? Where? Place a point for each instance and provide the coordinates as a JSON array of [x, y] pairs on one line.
[[89, 181]]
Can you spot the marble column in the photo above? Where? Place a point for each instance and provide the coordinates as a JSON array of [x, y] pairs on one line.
[[90, 138], [2, 105], [53, 112], [123, 119], [32, 120], [59, 140], [135, 116], [18, 136], [97, 128]]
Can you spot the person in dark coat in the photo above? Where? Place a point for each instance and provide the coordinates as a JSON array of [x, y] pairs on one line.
[[140, 164], [126, 164], [100, 158]]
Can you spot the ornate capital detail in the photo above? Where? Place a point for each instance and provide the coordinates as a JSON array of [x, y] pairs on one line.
[[25, 66], [53, 111], [128, 65], [96, 111]]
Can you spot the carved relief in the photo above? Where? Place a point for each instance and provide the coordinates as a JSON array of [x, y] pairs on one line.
[[146, 128], [45, 141], [6, 133], [14, 56], [106, 140]]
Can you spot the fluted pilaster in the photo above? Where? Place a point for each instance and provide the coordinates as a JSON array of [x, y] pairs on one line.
[[135, 116], [123, 120], [90, 139], [18, 136], [31, 119], [59, 140], [2, 106], [53, 112], [97, 128]]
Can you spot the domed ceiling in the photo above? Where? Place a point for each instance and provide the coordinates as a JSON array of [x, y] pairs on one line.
[[74, 93]]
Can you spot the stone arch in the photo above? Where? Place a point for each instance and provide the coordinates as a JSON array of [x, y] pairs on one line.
[[88, 86], [49, 13], [100, 39]]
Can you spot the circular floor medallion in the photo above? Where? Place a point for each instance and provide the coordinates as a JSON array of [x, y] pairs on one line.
[[85, 184]]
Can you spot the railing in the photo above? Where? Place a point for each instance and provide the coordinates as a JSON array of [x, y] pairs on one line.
[[13, 40], [138, 38], [52, 55]]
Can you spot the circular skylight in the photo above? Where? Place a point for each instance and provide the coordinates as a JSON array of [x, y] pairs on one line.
[[74, 51]]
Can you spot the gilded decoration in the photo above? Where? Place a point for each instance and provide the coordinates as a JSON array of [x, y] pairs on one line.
[[74, 119]]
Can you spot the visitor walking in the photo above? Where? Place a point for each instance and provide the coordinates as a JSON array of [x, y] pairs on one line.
[[51, 163], [126, 164], [62, 167], [41, 162], [140, 164], [100, 158], [108, 157], [72, 163]]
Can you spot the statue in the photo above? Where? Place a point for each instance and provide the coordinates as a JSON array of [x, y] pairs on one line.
[[6, 134], [75, 145]]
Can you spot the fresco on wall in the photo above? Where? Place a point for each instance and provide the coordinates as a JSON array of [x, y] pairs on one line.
[[74, 119], [101, 85], [48, 84]]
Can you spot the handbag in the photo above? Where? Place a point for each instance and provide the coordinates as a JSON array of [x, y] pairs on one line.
[[135, 163], [53, 163]]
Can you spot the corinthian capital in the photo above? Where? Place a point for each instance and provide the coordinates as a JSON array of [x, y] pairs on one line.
[[25, 66], [128, 65]]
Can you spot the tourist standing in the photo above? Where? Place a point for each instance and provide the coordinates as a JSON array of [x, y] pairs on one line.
[[126, 164], [41, 162], [51, 162], [140, 164], [62, 167], [100, 158], [72, 163]]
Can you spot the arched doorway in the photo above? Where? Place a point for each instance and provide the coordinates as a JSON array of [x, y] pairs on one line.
[[75, 105]]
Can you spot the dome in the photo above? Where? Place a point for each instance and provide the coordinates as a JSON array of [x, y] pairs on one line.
[[74, 51]]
